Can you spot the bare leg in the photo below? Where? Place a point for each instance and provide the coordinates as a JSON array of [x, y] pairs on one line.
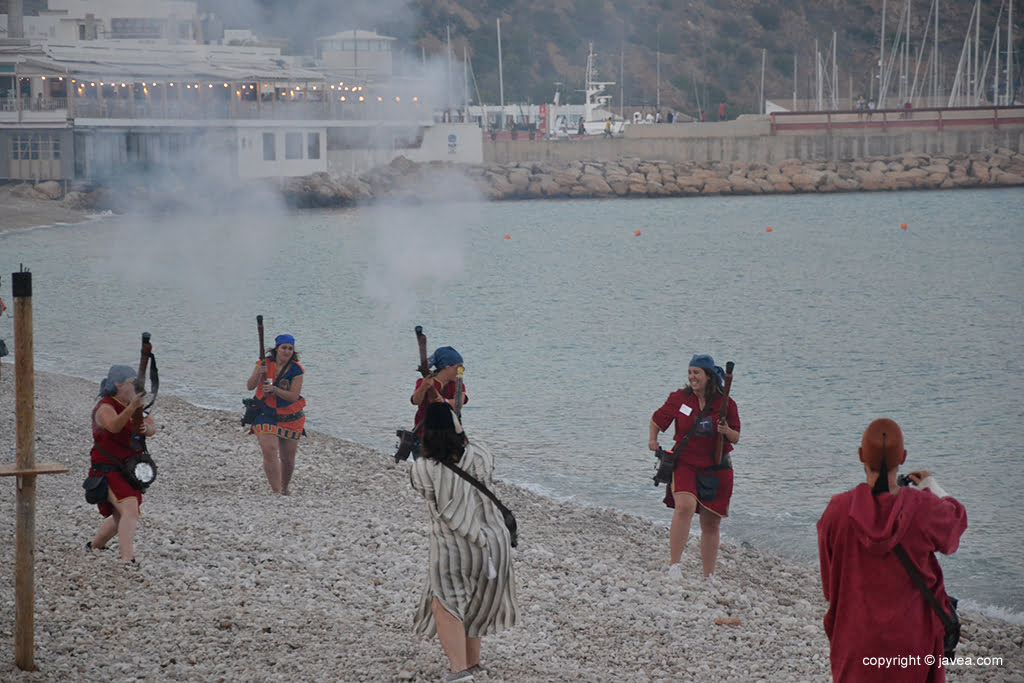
[[452, 635], [472, 652], [679, 532], [271, 463], [106, 531], [710, 526], [126, 525], [287, 449]]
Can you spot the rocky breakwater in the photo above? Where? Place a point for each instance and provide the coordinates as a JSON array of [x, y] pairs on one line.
[[407, 181], [639, 178]]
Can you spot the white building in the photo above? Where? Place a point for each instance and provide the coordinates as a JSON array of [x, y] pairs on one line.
[[355, 51], [77, 103]]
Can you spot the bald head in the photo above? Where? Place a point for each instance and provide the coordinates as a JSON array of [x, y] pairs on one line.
[[882, 440]]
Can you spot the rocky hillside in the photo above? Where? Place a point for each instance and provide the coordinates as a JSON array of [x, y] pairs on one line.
[[681, 53]]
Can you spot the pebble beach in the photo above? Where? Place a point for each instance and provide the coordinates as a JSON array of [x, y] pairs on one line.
[[235, 584]]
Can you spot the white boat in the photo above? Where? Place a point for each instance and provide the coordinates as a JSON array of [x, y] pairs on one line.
[[596, 111]]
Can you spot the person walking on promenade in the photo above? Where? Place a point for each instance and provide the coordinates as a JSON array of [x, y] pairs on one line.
[[608, 127], [470, 590], [696, 411], [115, 437], [282, 418], [874, 608]]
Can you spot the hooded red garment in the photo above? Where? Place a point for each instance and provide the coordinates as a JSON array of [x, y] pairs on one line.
[[875, 611]]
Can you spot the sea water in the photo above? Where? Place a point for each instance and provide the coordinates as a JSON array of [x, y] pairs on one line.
[[576, 319]]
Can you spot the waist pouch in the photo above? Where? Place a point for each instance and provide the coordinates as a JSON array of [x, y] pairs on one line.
[[707, 479]]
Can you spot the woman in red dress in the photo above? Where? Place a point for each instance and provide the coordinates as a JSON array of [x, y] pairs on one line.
[[115, 437], [699, 422]]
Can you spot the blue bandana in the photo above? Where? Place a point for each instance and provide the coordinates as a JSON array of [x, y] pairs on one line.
[[284, 339], [703, 360], [444, 357], [706, 362]]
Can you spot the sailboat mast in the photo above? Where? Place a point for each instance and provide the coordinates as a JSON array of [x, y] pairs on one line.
[[881, 56], [1009, 58], [977, 44], [501, 80], [936, 86], [448, 98], [657, 90]]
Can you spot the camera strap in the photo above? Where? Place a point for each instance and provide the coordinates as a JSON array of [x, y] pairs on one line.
[[918, 580], [475, 482], [682, 442]]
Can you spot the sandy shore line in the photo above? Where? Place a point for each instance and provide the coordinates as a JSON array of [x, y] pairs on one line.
[[235, 584], [22, 212]]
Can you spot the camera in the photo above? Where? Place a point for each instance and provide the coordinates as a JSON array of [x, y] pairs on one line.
[[252, 409], [903, 480], [666, 466]]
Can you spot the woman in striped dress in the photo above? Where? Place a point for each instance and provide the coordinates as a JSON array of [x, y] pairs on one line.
[[470, 589]]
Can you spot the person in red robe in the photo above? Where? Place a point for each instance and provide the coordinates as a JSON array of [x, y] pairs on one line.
[[879, 625]]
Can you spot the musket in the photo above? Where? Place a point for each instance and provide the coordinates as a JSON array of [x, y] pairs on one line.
[[458, 391], [723, 410], [259, 331], [421, 340], [424, 368], [140, 381]]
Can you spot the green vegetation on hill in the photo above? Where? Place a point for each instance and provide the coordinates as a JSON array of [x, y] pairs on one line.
[[678, 52]]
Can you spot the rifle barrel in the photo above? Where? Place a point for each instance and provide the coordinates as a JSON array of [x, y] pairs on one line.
[[723, 411]]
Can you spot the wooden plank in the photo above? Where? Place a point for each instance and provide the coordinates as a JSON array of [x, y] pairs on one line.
[[39, 468]]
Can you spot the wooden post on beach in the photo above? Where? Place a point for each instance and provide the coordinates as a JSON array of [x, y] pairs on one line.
[[25, 471]]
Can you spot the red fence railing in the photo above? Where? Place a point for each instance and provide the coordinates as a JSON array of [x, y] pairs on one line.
[[937, 118]]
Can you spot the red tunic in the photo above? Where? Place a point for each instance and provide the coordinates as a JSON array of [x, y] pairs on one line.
[[683, 407], [874, 608], [447, 392], [117, 445]]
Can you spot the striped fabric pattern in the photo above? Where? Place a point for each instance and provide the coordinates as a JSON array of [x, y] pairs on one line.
[[465, 529]]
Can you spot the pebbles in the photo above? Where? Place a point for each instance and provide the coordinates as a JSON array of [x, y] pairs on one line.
[[235, 584]]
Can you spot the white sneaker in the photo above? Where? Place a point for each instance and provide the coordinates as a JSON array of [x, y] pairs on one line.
[[461, 676], [675, 571]]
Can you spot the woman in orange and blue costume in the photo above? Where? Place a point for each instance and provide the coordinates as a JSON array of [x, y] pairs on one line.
[[282, 418]]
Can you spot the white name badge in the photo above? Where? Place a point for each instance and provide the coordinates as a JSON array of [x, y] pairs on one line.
[[685, 409]]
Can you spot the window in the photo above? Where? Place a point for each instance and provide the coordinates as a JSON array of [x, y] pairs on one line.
[[313, 146], [34, 147], [269, 153], [293, 145]]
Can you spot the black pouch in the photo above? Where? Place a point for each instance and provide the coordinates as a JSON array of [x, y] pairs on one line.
[[253, 406], [952, 636], [406, 446], [95, 489], [513, 527], [707, 485]]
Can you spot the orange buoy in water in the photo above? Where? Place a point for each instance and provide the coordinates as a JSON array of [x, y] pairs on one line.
[[903, 226], [508, 237], [768, 229], [637, 233]]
